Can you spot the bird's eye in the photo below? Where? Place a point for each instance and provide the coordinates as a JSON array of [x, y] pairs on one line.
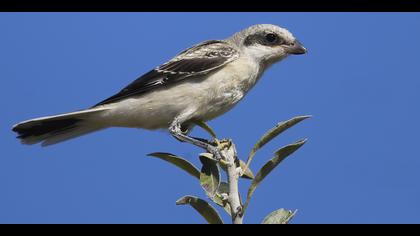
[[271, 37]]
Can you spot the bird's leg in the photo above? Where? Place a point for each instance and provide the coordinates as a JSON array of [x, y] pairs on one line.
[[175, 130]]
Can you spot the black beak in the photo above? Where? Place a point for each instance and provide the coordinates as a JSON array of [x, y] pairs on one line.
[[296, 48]]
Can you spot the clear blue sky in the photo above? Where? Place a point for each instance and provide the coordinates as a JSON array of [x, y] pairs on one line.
[[360, 81]]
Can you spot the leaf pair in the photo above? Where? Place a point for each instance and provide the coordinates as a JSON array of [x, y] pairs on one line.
[[272, 133], [279, 155]]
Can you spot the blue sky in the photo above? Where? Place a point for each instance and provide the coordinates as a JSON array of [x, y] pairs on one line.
[[360, 81]]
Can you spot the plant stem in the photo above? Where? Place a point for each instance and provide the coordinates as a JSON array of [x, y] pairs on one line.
[[233, 173]]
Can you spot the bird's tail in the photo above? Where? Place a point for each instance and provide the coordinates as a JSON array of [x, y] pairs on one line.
[[54, 129]]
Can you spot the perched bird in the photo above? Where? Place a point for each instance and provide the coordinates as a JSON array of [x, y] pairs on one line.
[[199, 84]]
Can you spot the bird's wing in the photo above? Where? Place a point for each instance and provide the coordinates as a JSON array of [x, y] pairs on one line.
[[200, 59]]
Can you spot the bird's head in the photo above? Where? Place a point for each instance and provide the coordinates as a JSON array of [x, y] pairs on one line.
[[267, 43]]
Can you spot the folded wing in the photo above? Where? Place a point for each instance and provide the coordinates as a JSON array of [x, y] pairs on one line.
[[200, 59]]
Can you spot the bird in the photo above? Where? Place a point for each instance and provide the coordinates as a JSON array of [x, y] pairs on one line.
[[197, 85]]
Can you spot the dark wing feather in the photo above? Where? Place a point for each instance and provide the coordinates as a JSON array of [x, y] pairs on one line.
[[197, 60]]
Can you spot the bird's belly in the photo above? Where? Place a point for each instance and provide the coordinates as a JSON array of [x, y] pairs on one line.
[[219, 104]]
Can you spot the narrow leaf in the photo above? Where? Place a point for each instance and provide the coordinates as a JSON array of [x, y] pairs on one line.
[[179, 162], [204, 208], [279, 156], [207, 155], [280, 216], [247, 171], [223, 188], [209, 176], [207, 128], [272, 133]]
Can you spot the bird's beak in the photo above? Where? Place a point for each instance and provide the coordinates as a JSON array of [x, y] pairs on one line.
[[296, 48]]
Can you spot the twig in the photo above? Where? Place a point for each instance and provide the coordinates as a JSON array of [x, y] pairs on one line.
[[234, 170]]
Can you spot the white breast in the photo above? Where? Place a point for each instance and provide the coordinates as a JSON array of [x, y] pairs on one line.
[[228, 86]]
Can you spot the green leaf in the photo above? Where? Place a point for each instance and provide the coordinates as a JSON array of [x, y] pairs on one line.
[[209, 176], [207, 155], [202, 207], [279, 156], [223, 188], [179, 162], [247, 171], [218, 199], [280, 216], [272, 133]]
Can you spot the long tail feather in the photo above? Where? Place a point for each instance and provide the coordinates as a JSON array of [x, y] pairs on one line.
[[54, 129]]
